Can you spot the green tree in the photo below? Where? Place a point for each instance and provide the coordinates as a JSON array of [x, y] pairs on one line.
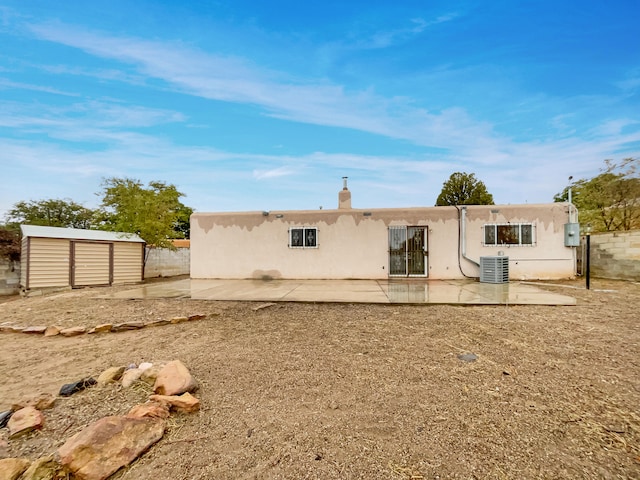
[[609, 201], [182, 226], [464, 189], [51, 213], [153, 212]]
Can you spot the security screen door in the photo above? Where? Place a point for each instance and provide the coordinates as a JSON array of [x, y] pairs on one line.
[[408, 251]]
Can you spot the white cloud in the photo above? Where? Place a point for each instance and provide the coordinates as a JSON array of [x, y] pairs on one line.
[[235, 80], [389, 38], [84, 121], [104, 74], [219, 180], [273, 173], [8, 84], [616, 127]]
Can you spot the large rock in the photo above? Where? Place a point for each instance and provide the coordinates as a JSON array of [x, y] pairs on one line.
[[174, 379], [131, 376], [103, 328], [145, 366], [24, 421], [123, 327], [107, 445], [45, 468], [157, 323], [73, 331], [12, 468], [150, 409], [52, 331], [150, 375], [5, 327], [186, 402], [38, 329], [110, 375], [43, 401]]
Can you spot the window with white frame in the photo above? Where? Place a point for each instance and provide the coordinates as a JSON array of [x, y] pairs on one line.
[[509, 234], [303, 237]]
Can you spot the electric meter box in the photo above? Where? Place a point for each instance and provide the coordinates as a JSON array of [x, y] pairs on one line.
[[571, 234]]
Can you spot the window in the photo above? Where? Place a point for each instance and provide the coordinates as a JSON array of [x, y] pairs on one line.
[[303, 237], [509, 234]]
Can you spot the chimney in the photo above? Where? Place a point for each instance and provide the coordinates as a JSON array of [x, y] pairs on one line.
[[344, 197]]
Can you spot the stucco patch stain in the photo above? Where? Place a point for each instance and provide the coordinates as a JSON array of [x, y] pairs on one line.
[[206, 221], [390, 216], [246, 220], [266, 275], [544, 214], [555, 214]]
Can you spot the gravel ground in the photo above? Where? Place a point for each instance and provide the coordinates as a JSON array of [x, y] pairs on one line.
[[341, 391]]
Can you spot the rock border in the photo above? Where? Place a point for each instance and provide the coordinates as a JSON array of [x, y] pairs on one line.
[[54, 330]]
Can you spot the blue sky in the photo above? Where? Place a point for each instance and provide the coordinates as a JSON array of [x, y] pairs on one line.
[[248, 105]]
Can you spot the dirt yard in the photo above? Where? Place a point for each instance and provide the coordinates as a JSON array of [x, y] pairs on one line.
[[345, 391]]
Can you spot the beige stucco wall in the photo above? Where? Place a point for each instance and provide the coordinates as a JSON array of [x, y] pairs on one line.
[[354, 243], [547, 259]]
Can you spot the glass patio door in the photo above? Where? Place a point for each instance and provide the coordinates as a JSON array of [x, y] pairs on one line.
[[408, 251]]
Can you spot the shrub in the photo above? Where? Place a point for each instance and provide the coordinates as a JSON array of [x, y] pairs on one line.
[[9, 244]]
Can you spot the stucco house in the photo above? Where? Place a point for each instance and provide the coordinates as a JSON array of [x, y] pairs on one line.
[[524, 241]]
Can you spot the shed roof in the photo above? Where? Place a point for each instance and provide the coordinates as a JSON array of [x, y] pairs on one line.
[[78, 234]]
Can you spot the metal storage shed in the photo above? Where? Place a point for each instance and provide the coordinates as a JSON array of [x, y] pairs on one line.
[[62, 257]]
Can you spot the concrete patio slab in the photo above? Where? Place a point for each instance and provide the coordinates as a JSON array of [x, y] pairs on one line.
[[463, 292]]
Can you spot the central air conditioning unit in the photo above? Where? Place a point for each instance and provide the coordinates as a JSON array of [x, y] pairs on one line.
[[494, 269]]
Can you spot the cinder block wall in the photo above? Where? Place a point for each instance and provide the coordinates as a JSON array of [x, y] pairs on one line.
[[9, 277], [616, 255], [162, 262]]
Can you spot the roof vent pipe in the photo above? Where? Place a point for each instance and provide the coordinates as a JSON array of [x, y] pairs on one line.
[[344, 183]]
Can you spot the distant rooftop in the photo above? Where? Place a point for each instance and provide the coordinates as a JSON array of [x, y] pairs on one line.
[[181, 243]]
